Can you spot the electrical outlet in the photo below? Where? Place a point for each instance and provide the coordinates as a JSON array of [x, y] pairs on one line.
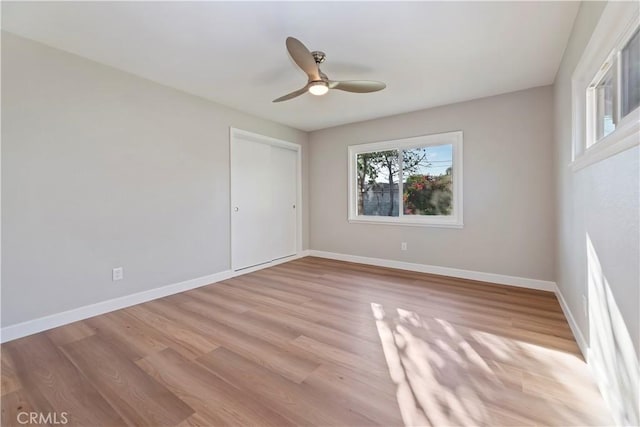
[[117, 274], [585, 306], [403, 246]]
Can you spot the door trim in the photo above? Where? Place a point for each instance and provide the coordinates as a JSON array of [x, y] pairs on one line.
[[262, 139]]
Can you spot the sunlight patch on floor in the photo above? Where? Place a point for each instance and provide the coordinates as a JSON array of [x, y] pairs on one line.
[[446, 374], [413, 364]]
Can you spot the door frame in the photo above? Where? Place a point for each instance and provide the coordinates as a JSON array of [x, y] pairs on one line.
[[235, 133]]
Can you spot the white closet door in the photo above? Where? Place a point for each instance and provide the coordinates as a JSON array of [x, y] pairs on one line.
[[284, 190], [251, 200]]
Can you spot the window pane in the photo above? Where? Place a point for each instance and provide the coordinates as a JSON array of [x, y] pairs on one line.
[[427, 180], [604, 102], [631, 75], [377, 184]]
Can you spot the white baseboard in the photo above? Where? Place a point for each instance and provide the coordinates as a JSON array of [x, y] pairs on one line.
[[501, 279], [19, 330], [577, 333], [29, 327]]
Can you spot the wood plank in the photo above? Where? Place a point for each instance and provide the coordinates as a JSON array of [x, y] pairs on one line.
[[319, 351], [53, 384], [184, 340], [195, 420], [295, 401], [370, 396], [10, 378], [272, 357], [299, 326], [70, 333], [257, 285], [138, 398], [132, 337], [266, 330], [219, 402], [207, 294], [14, 405]]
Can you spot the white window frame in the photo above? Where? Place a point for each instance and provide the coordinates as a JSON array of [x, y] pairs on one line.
[[612, 62], [616, 26], [448, 221]]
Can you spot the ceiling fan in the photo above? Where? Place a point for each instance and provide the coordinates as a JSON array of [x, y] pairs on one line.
[[319, 83]]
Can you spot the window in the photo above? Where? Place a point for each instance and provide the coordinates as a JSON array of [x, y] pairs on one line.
[[606, 88], [630, 79], [604, 99], [413, 181], [614, 92]]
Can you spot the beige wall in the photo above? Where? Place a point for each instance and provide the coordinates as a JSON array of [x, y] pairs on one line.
[[508, 188], [103, 169], [600, 202]]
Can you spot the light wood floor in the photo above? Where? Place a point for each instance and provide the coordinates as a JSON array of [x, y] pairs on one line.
[[312, 342]]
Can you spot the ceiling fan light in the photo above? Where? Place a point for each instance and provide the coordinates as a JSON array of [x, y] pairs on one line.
[[318, 88]]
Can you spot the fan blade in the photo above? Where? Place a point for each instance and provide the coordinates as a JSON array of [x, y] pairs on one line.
[[292, 94], [303, 58], [357, 86]]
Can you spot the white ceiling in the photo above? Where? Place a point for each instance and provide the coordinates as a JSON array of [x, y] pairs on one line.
[[428, 53]]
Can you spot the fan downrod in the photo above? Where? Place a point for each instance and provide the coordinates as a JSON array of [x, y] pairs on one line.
[[318, 56]]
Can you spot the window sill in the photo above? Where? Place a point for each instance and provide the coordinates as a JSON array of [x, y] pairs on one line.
[[404, 222], [623, 138]]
